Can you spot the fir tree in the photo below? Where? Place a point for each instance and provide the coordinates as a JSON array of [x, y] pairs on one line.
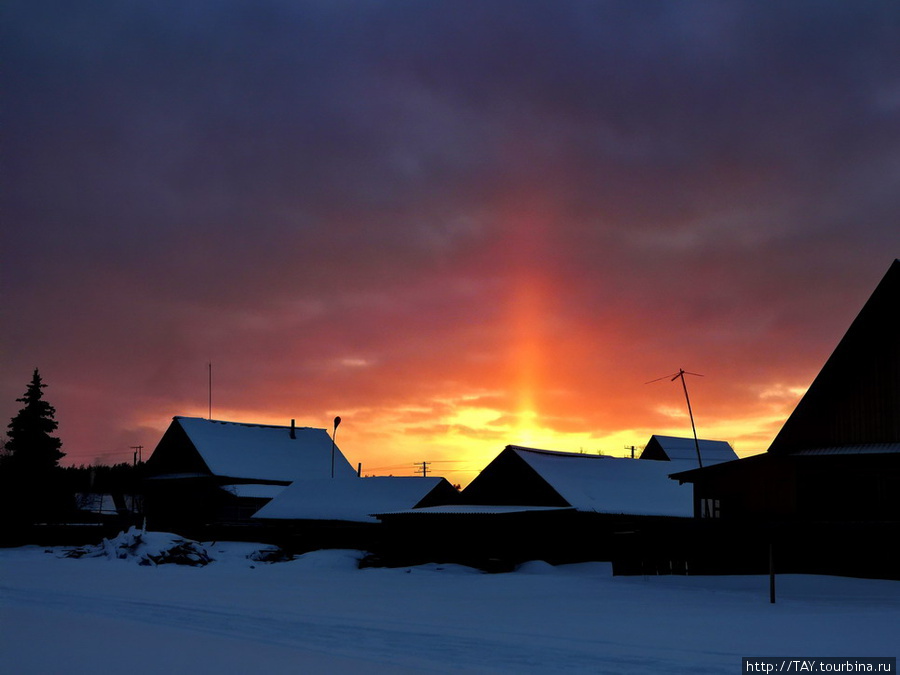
[[32, 486], [31, 449]]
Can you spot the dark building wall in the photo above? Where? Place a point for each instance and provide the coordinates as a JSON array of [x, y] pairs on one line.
[[758, 487], [182, 505], [175, 453], [853, 487], [654, 450], [499, 541], [442, 494], [510, 481]]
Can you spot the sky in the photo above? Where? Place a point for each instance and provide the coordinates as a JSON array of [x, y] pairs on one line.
[[457, 225]]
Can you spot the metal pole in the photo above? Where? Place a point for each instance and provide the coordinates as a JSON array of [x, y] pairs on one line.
[[210, 391], [771, 573], [691, 414], [337, 421]]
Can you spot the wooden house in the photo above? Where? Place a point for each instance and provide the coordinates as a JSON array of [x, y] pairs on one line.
[[540, 504], [828, 488], [206, 472], [327, 513], [588, 483]]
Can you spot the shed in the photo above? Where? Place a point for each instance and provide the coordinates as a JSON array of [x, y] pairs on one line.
[[357, 500], [672, 448]]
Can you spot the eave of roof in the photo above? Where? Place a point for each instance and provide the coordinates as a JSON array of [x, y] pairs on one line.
[[473, 509]]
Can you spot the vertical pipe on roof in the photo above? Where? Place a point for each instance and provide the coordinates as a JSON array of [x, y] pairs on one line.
[[293, 432]]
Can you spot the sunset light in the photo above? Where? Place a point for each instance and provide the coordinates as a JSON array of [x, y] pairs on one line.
[[400, 337], [456, 240]]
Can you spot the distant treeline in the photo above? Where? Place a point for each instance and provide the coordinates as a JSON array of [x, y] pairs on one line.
[[121, 478]]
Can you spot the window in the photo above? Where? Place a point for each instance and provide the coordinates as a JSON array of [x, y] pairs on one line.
[[710, 508]]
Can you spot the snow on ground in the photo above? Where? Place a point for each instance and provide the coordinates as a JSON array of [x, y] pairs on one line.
[[320, 614]]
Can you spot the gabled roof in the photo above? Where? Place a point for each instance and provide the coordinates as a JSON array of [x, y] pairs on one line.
[[259, 451], [602, 484], [352, 500], [855, 398], [675, 448]]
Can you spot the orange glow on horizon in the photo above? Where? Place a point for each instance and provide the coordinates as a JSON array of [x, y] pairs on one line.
[[531, 392], [459, 435]]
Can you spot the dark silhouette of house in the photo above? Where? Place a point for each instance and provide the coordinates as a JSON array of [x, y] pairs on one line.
[[206, 472], [539, 504], [828, 488], [521, 476]]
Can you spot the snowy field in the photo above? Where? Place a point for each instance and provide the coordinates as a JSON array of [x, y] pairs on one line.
[[320, 614]]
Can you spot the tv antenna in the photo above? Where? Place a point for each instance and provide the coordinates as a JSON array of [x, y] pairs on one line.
[[680, 374]]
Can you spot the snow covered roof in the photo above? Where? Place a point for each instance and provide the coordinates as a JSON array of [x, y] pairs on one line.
[[264, 452], [354, 500], [677, 448], [612, 484]]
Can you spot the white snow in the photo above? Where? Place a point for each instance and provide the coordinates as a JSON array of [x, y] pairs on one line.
[[679, 448], [320, 614], [613, 484], [264, 452], [351, 500]]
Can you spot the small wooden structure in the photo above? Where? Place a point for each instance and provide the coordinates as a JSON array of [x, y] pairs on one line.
[[671, 448], [327, 513]]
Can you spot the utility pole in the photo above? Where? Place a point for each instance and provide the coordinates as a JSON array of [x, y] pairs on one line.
[[209, 389], [137, 453], [424, 469]]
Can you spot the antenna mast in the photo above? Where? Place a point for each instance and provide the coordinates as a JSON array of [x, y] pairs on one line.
[[680, 374], [209, 389]]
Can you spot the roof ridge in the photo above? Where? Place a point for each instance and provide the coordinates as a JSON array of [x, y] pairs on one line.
[[245, 424]]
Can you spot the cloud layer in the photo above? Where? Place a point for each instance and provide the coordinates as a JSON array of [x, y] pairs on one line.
[[456, 224]]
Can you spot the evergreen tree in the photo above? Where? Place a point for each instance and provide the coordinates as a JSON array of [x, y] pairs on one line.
[[30, 447], [32, 486]]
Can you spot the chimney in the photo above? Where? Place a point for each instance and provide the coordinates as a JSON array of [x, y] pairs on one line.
[[293, 432]]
